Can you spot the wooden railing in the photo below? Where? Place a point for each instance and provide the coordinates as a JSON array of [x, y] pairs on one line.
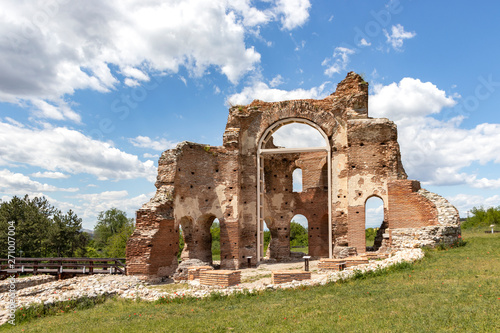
[[60, 266]]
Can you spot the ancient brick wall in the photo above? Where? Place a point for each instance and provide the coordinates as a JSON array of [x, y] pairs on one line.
[[407, 208], [198, 183]]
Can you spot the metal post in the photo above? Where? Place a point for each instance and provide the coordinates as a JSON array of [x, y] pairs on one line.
[[306, 263]]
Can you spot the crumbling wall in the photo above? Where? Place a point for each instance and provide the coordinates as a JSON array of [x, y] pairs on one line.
[[198, 183]]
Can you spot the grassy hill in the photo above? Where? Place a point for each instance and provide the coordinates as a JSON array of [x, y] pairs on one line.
[[450, 290]]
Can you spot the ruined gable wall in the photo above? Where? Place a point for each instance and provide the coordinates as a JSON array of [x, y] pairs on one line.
[[374, 159]]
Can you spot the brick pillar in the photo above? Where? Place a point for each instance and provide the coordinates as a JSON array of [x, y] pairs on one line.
[[356, 228], [152, 249]]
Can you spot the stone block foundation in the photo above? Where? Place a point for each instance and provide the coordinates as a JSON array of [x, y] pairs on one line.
[[331, 264], [194, 271], [222, 278]]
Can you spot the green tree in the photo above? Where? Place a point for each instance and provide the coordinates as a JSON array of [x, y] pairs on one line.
[[112, 231], [215, 232], [482, 217], [40, 229], [298, 235]]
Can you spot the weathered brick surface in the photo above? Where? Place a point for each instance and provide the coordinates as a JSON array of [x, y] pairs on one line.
[[195, 271], [197, 183], [222, 278], [289, 276]]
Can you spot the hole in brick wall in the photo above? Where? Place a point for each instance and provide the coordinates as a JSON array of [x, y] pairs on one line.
[[192, 172], [357, 212], [353, 166], [286, 203], [230, 187], [286, 190], [245, 202], [275, 176], [286, 176], [179, 169], [281, 216], [383, 166], [206, 200], [297, 180], [335, 149], [374, 217], [209, 187], [299, 227], [274, 189], [285, 228], [182, 198], [191, 186], [361, 144], [359, 194], [216, 170], [382, 143]]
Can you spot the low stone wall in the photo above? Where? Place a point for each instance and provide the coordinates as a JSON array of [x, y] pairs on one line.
[[195, 271], [222, 278], [26, 282], [289, 276], [331, 264]]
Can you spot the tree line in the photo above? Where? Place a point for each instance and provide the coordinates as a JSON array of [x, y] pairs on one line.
[[482, 217], [41, 230]]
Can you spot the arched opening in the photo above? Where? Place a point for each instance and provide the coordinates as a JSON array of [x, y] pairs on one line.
[[297, 180], [186, 240], [293, 160], [215, 232], [299, 238], [207, 231], [297, 135], [374, 223]]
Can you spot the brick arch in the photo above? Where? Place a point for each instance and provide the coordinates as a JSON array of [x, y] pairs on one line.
[[261, 144], [298, 109]]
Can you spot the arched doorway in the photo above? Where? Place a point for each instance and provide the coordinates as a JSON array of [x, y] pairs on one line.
[[269, 145], [299, 239], [374, 223]]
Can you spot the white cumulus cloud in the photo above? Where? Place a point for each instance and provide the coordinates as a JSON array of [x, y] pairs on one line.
[[435, 151], [50, 49], [147, 142], [262, 91], [59, 149]]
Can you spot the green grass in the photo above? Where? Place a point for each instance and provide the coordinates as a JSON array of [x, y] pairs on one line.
[[299, 249], [451, 290]]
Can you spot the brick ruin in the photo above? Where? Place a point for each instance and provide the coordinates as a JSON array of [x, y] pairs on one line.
[[247, 182]]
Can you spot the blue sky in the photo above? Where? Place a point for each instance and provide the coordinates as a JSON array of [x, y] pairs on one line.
[[92, 93]]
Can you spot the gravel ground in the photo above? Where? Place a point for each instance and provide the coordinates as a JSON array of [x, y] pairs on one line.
[[131, 287]]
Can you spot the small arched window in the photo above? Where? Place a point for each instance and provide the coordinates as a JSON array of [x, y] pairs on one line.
[[297, 180]]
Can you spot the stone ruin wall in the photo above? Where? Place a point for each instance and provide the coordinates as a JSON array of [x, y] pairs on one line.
[[197, 183]]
